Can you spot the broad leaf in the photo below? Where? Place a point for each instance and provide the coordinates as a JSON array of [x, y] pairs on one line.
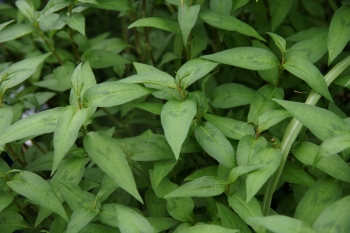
[[162, 223], [80, 218], [228, 23], [6, 113], [26, 9], [248, 147], [231, 220], [108, 186], [205, 186], [279, 41], [231, 95], [176, 118], [295, 174], [200, 228], [231, 128], [33, 125], [322, 194], [11, 221], [110, 94], [38, 191], [215, 144], [66, 132], [6, 199], [157, 22], [100, 59], [180, 208], [245, 57], [155, 108], [334, 218], [108, 214], [306, 71], [280, 223], [3, 25], [333, 146], [240, 170], [15, 31], [131, 221], [321, 122], [111, 159], [307, 34], [339, 32], [278, 11], [76, 22], [187, 17], [271, 118], [53, 6], [162, 169]]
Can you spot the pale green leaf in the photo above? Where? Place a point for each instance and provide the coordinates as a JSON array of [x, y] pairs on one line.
[[3, 25], [80, 218], [105, 152], [187, 17], [307, 34], [100, 59], [271, 118], [53, 6], [176, 118], [15, 31], [231, 220], [157, 22], [240, 170], [98, 228], [120, 5], [231, 95], [180, 208], [76, 22], [6, 113], [295, 174], [162, 223], [279, 41], [162, 169], [132, 222], [6, 199], [26, 9], [37, 190], [247, 147], [155, 108], [333, 146], [108, 214], [200, 228]]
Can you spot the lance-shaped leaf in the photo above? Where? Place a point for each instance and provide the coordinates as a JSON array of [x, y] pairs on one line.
[[162, 223], [247, 210], [193, 70], [200, 228], [20, 71], [108, 214], [231, 95], [3, 25], [212, 140], [280, 223], [306, 71], [36, 124], [247, 147], [77, 80], [76, 22], [246, 57], [333, 146], [80, 218], [307, 34], [180, 208], [208, 171], [176, 118], [110, 94], [11, 221], [206, 186], [231, 128], [278, 11], [157, 22], [271, 158], [106, 153], [6, 113], [37, 190], [26, 9], [339, 32], [321, 122], [120, 5], [322, 194], [271, 118], [334, 218], [54, 5], [279, 41], [231, 220], [99, 58], [15, 31], [155, 108], [295, 174], [240, 170], [162, 169], [187, 17], [228, 23], [131, 221], [66, 132]]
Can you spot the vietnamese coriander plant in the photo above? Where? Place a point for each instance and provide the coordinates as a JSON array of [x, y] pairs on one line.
[[182, 116]]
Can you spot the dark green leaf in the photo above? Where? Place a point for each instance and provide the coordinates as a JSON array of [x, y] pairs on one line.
[[108, 214], [11, 221], [155, 108], [162, 169], [80, 218], [120, 5], [231, 220], [15, 31], [131, 221], [208, 171], [180, 208], [200, 228], [240, 170], [99, 58], [278, 11], [293, 173], [333, 146], [157, 22], [187, 17], [248, 147], [76, 22], [271, 118]]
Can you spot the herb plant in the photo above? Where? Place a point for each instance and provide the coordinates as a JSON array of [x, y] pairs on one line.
[[174, 116]]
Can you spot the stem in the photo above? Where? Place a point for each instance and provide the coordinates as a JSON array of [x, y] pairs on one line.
[[117, 123], [38, 146], [333, 5], [292, 132], [13, 155]]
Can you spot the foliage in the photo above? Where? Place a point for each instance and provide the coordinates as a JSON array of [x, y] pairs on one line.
[[174, 116]]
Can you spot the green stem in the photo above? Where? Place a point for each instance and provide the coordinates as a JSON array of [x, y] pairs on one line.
[[292, 132], [13, 155]]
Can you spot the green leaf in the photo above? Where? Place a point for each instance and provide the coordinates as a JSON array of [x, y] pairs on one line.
[[6, 113], [163, 188], [271, 158], [200, 228], [15, 31], [105, 152], [311, 49], [180, 208], [11, 221], [231, 220], [247, 210], [38, 191], [228, 23], [176, 118], [280, 223], [53, 6], [108, 214], [115, 45], [245, 57], [332, 165], [334, 218], [306, 71], [278, 11], [263, 102], [6, 199], [108, 186], [322, 194], [155, 108], [206, 186], [339, 32], [108, 94], [157, 22], [80, 218], [294, 174], [26, 9], [193, 70], [231, 95], [222, 6], [238, 4], [208, 171], [240, 170], [162, 169], [33, 125], [131, 221], [100, 59], [321, 122], [76, 22], [270, 75], [162, 223], [247, 147], [307, 34], [77, 80], [66, 132], [271, 118], [279, 41], [97, 228], [333, 146], [212, 140], [187, 17], [3, 25], [231, 128], [20, 71], [120, 5]]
